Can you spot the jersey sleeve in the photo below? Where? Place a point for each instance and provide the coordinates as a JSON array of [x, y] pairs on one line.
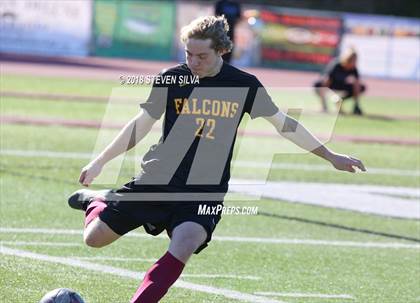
[[259, 102], [155, 104]]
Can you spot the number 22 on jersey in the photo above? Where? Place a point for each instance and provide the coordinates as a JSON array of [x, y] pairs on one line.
[[210, 125]]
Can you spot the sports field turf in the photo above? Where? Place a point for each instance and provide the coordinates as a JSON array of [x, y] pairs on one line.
[[289, 252]]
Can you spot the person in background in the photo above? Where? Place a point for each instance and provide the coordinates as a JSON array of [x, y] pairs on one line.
[[232, 12], [341, 75]]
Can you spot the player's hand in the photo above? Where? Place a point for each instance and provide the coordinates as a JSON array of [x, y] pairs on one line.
[[346, 163], [89, 172]]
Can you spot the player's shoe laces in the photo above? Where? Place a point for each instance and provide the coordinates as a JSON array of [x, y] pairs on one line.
[[81, 198]]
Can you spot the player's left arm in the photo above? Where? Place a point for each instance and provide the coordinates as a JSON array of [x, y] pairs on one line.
[[291, 129]]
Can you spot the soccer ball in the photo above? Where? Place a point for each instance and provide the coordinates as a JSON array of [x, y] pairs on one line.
[[62, 295]]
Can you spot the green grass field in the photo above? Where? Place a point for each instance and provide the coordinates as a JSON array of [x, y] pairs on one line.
[[39, 170]]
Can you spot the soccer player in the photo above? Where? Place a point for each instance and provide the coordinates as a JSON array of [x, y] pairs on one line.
[[191, 162], [341, 75]]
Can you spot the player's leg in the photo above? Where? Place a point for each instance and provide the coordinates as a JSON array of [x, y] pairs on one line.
[[98, 234], [338, 100], [186, 238], [354, 90], [357, 91], [103, 224], [344, 91], [362, 88], [321, 92]]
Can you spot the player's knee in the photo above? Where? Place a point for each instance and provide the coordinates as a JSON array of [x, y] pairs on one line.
[[183, 252], [186, 240], [320, 90], [192, 236], [98, 234], [191, 244], [93, 240], [94, 237]]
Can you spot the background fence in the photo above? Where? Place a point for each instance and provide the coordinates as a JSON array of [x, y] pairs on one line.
[[266, 36]]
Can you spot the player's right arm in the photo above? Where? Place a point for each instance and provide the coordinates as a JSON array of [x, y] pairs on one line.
[[292, 130], [135, 130]]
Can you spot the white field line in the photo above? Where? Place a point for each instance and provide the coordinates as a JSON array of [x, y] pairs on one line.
[[45, 231], [317, 242], [244, 164], [126, 259], [320, 167], [302, 295], [38, 243], [210, 276], [284, 241], [222, 276], [99, 258], [231, 294]]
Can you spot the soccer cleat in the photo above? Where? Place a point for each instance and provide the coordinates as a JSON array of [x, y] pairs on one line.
[[81, 198], [357, 111]]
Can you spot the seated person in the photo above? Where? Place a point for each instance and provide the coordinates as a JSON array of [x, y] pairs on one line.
[[341, 75]]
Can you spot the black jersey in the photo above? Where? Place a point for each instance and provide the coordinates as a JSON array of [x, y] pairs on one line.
[[338, 74], [199, 127]]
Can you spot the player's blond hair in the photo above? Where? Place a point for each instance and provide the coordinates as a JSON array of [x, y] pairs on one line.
[[209, 27], [348, 54]]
